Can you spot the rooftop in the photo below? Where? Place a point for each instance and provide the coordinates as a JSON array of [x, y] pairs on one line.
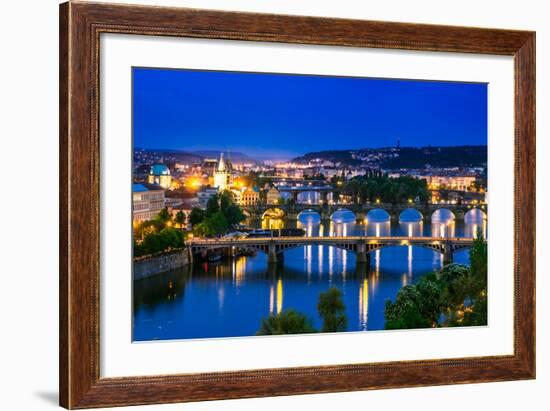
[[143, 187], [159, 170]]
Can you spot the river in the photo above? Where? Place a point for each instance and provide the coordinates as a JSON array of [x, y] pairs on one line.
[[230, 298]]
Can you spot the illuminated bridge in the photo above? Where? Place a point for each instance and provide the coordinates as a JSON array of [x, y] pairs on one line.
[[361, 246]]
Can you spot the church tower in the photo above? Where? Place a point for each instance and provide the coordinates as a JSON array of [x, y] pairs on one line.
[[221, 175]]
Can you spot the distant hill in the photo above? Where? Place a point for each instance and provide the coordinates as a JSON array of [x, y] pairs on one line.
[[457, 156], [405, 157]]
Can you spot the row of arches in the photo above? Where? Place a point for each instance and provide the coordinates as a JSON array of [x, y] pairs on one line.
[[381, 215]]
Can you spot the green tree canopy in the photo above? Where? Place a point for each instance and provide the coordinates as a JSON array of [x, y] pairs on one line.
[[196, 216], [332, 310], [212, 206], [164, 215], [286, 322], [179, 218]]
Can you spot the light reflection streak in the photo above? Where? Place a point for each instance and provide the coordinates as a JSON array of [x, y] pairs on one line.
[[279, 296], [410, 260], [363, 305], [271, 298]]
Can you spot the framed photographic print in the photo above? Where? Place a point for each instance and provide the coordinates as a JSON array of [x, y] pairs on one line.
[[258, 205]]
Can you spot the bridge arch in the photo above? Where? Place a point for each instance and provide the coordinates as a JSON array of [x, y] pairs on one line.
[[309, 214], [378, 215], [475, 215], [442, 215], [410, 215], [343, 215], [273, 212]]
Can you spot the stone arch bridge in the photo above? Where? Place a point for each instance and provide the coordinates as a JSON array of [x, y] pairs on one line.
[[291, 211]]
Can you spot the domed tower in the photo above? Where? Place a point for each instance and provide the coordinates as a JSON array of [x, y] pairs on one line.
[[160, 174], [221, 175]]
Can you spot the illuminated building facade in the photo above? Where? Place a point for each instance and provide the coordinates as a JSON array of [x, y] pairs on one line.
[[222, 176], [147, 201], [249, 197], [160, 174], [461, 183]]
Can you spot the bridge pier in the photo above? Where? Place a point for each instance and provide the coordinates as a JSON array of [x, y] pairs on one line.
[[272, 254], [362, 257], [447, 254]]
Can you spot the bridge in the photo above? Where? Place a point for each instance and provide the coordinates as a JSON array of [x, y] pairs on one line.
[[362, 246], [292, 211], [295, 190]]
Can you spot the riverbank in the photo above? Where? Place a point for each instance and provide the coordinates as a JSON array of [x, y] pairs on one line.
[[148, 266]]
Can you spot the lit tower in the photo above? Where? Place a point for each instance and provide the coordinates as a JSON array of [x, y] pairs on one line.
[[221, 175]]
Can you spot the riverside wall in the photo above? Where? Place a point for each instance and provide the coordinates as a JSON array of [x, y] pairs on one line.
[[147, 267]]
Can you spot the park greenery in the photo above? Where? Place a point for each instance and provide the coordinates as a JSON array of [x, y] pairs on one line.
[[331, 309], [220, 215], [454, 296], [158, 235], [385, 189]]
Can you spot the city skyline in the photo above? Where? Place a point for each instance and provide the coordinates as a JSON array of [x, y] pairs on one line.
[[269, 116]]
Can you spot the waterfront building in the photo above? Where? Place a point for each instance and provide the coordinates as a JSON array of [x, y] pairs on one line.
[[160, 174], [147, 201], [222, 176], [249, 197], [272, 196], [451, 182]]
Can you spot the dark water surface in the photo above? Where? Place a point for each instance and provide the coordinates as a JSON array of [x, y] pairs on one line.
[[230, 298]]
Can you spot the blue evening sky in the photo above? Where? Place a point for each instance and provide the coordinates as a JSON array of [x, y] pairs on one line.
[[284, 115]]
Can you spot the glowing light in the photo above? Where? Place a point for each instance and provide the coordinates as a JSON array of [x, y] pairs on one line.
[[410, 200], [377, 201]]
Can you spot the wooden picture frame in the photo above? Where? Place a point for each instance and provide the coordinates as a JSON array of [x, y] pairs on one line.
[[80, 27]]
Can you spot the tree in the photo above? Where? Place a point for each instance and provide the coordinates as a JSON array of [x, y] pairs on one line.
[[416, 306], [405, 313], [152, 244], [429, 298], [212, 206], [233, 214], [286, 322], [332, 310], [171, 238], [214, 225], [456, 281], [164, 216], [478, 260], [180, 218], [218, 223], [196, 216]]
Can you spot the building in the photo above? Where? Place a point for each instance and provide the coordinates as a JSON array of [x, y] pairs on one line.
[[206, 194], [249, 197], [186, 206], [160, 174], [450, 182], [147, 201], [222, 176], [272, 196]]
